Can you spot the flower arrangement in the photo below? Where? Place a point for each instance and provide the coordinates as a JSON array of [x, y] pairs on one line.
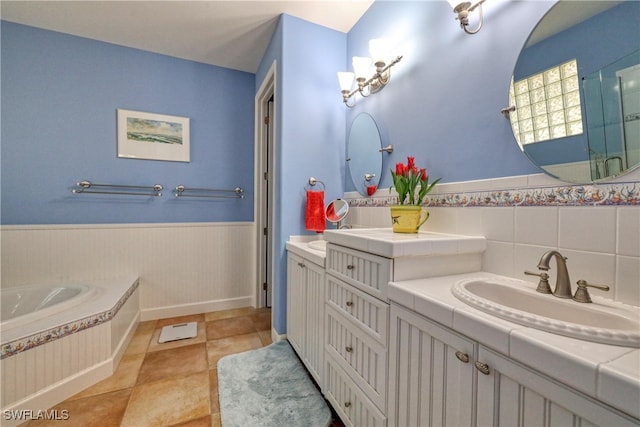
[[406, 179]]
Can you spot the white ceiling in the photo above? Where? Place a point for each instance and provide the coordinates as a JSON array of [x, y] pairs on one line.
[[232, 33]]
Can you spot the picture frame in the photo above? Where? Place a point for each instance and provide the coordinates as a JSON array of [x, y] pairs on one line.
[[151, 136]]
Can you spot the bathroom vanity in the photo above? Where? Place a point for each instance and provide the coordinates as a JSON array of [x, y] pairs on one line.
[[400, 349]]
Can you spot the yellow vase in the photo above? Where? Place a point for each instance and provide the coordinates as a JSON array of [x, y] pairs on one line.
[[408, 218]]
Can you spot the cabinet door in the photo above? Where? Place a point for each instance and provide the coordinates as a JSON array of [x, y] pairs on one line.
[[314, 320], [431, 374], [296, 297], [510, 394]]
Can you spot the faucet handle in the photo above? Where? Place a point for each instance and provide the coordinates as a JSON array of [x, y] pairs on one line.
[[582, 294], [543, 284]]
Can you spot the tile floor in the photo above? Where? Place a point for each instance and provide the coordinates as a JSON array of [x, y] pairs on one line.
[[170, 384]]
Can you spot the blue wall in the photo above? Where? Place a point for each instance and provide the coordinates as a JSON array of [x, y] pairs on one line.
[[309, 130], [59, 99], [444, 99]]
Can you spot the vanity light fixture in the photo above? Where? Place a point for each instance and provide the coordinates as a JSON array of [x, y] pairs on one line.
[[462, 9], [379, 50]]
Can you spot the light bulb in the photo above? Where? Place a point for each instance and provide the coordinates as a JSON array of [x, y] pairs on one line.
[[361, 66], [345, 79]]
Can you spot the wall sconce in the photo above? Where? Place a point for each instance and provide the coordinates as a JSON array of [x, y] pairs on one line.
[[463, 9], [379, 50]]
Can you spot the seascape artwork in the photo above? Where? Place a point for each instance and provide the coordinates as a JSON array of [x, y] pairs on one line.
[[152, 136], [154, 131]]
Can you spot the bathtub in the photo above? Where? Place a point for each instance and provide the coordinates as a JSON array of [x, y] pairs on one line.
[[58, 340], [23, 304]]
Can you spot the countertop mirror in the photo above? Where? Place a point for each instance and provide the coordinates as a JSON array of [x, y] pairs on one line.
[[364, 155], [575, 94]]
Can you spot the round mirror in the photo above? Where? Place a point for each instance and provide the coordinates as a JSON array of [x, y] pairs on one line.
[[575, 95], [337, 210], [364, 155]]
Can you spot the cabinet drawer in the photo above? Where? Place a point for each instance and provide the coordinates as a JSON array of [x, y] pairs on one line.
[[363, 358], [351, 404], [368, 272], [370, 313]]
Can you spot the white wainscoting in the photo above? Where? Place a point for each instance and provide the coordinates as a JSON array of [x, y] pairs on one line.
[[184, 268]]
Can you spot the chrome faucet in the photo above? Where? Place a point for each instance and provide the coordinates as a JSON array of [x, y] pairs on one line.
[[563, 285]]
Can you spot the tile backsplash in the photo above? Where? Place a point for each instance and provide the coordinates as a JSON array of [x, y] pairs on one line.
[[597, 227]]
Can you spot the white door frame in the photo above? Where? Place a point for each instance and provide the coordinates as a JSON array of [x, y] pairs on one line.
[[265, 92]]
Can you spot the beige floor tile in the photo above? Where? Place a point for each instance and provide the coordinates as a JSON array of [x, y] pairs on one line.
[[168, 402], [140, 341], [227, 314], [223, 328], [265, 337], [213, 383], [124, 377], [217, 349], [199, 422], [154, 345], [181, 361], [104, 410], [262, 320]]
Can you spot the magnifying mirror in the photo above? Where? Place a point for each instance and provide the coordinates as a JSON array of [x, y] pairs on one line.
[[336, 211]]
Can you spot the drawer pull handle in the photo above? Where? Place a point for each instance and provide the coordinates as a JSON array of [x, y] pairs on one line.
[[463, 357], [349, 349], [349, 303], [301, 264], [351, 267], [482, 367], [347, 404]]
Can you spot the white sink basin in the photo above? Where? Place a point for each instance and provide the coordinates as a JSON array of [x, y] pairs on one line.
[[318, 245], [602, 321]]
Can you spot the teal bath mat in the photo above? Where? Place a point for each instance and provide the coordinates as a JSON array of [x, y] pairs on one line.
[[269, 387]]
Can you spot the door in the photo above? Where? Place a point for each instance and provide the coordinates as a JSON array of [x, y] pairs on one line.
[[265, 188]]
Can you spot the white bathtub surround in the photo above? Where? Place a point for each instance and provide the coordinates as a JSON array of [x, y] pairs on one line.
[[47, 360], [598, 237], [183, 268]]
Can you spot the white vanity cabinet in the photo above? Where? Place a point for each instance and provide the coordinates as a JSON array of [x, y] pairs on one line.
[[357, 319], [431, 373], [514, 394], [440, 377], [305, 312]]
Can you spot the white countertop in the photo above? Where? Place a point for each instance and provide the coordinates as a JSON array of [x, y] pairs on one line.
[[606, 372], [386, 243], [299, 246]]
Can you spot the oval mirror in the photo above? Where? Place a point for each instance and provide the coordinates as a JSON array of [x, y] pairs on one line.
[[364, 155], [575, 98], [336, 211]]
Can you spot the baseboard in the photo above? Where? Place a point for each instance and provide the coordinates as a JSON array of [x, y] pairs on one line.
[[124, 342], [277, 337], [195, 308], [23, 410]]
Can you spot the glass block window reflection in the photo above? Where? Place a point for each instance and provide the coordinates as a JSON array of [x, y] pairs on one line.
[[547, 104]]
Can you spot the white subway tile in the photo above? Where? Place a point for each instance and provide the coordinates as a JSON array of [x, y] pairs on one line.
[[469, 221], [498, 223], [628, 280], [588, 228], [594, 267], [537, 226], [498, 258], [628, 231]]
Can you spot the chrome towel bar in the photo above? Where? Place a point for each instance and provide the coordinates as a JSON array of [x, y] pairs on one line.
[[182, 191], [127, 190]]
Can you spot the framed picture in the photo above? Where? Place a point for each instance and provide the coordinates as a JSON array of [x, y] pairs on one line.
[[153, 136]]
